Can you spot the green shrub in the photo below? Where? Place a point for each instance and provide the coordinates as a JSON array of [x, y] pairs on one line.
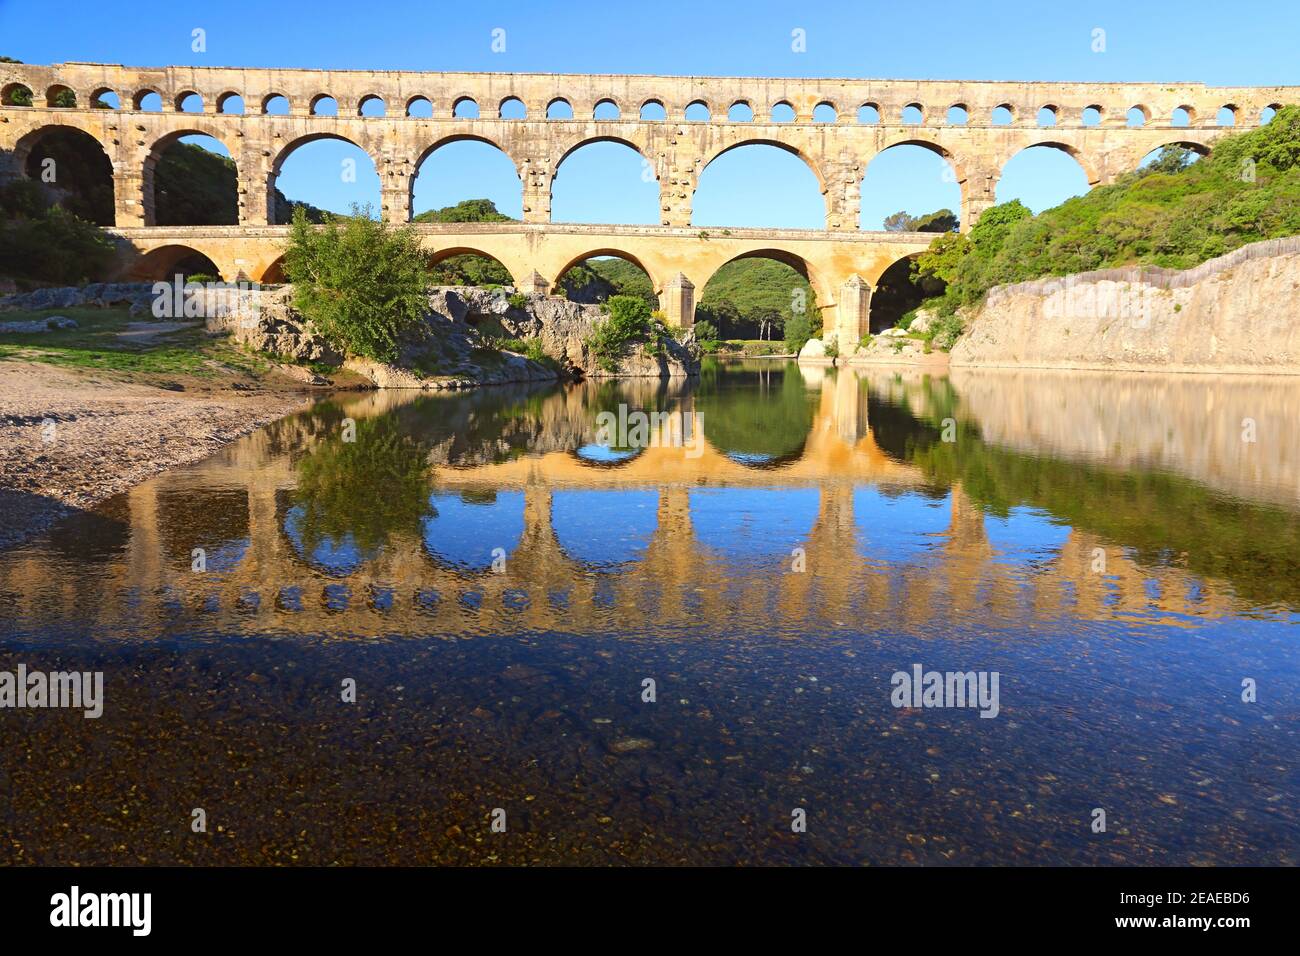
[[517, 301], [832, 350], [361, 282], [798, 330], [628, 322], [21, 96], [56, 247]]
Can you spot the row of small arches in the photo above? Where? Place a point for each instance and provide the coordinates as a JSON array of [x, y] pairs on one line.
[[698, 111]]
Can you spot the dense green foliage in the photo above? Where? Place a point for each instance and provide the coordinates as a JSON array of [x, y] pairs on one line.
[[367, 489], [360, 281], [797, 333], [470, 269], [468, 210], [754, 298], [943, 220], [629, 322], [46, 243], [1171, 214], [596, 280], [195, 187]]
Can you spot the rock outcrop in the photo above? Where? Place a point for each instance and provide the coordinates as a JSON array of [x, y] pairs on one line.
[[459, 344], [1235, 313]]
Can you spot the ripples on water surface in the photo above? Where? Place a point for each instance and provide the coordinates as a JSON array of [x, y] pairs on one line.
[[499, 585]]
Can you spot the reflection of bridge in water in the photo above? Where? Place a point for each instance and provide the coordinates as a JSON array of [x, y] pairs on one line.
[[676, 577]]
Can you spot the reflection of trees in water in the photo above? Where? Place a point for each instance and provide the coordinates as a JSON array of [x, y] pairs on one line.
[[366, 489], [1165, 519], [756, 416]]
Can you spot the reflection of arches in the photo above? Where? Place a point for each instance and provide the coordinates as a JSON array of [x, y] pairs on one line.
[[465, 529], [83, 180], [478, 178], [292, 147], [768, 178], [580, 522], [749, 524], [163, 263]]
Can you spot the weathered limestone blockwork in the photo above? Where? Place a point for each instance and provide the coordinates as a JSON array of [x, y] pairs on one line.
[[676, 151]]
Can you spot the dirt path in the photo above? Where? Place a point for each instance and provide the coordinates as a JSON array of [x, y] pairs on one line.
[[68, 440]]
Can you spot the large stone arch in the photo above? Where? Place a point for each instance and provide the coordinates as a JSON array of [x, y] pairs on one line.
[[652, 270], [515, 268], [1087, 163], [273, 172], [159, 263], [164, 142], [459, 137], [822, 284], [26, 144], [794, 149]]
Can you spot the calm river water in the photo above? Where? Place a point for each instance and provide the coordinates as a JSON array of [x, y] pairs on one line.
[[506, 587]]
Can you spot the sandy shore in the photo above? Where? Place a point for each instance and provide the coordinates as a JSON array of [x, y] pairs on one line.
[[106, 436]]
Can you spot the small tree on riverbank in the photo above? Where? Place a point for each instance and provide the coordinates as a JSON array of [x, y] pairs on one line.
[[360, 281]]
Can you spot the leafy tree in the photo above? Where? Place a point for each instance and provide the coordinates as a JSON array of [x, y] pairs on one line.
[[361, 282], [944, 220], [20, 96], [65, 99], [798, 331], [629, 322], [55, 246], [899, 222], [195, 187], [469, 210], [1171, 159]]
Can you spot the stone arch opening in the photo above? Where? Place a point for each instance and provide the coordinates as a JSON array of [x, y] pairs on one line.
[[372, 105], [1182, 116], [1091, 116], [274, 274], [913, 114], [1045, 175], [605, 180], [464, 107], [909, 180], [697, 111], [59, 96], [105, 98], [188, 101], [740, 112], [653, 111], [597, 275], [324, 173], [760, 183], [757, 295], [166, 262], [466, 179], [147, 100], [512, 108], [1003, 115], [782, 112], [606, 110], [559, 109], [895, 294], [190, 179], [869, 114], [958, 115], [1227, 115], [72, 168], [825, 112], [323, 105], [464, 265], [419, 107], [275, 104], [232, 103], [1138, 116], [16, 94], [1047, 115], [1268, 112], [1174, 155]]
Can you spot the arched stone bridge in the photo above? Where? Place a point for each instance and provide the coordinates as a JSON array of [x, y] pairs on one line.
[[678, 124]]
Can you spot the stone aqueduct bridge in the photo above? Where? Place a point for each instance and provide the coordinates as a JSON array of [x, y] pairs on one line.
[[842, 262]]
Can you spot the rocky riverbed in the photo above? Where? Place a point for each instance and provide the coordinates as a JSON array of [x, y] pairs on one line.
[[69, 440]]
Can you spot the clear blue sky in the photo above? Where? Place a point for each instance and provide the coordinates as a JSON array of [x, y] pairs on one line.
[[1246, 42]]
